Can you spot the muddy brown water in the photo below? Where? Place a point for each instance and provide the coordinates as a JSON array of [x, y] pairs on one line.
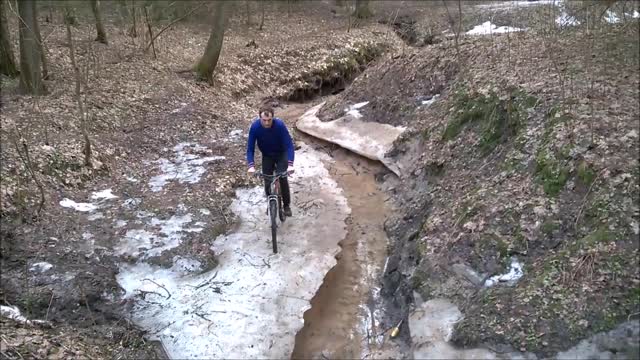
[[333, 325]]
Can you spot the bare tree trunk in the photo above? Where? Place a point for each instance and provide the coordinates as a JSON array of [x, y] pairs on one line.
[[262, 8], [248, 8], [30, 58], [102, 35], [209, 60], [133, 32], [152, 41], [43, 57], [70, 15], [7, 60], [81, 110], [362, 9]]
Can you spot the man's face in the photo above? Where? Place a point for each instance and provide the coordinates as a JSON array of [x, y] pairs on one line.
[[266, 119]]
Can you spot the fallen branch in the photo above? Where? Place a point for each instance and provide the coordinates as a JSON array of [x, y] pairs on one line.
[[164, 288], [171, 24]]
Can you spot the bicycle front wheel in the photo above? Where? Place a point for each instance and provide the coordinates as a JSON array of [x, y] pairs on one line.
[[273, 212]]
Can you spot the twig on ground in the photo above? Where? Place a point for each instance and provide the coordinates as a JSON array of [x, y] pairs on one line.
[[162, 286]]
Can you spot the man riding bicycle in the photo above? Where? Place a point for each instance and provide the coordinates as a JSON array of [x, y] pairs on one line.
[[277, 150]]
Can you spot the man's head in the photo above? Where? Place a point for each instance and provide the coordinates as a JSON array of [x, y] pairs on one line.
[[266, 116]]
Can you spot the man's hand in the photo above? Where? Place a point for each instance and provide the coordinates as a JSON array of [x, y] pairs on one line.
[[252, 170], [290, 169]]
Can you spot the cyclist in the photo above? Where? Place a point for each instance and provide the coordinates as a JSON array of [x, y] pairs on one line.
[[277, 150]]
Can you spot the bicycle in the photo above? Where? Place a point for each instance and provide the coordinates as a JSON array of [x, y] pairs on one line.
[[275, 209]]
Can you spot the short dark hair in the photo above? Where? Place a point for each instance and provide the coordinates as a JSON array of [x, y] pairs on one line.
[[265, 109]]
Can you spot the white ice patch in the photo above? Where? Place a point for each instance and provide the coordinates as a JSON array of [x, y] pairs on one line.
[[611, 17], [185, 168], [487, 28], [514, 274], [40, 267], [565, 19], [252, 304], [120, 224], [635, 14], [104, 194], [145, 244], [83, 207], [205, 212], [132, 179], [353, 109]]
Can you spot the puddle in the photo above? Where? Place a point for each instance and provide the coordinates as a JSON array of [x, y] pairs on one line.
[[252, 291]]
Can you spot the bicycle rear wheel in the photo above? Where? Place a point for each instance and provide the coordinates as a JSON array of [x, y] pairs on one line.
[[273, 212]]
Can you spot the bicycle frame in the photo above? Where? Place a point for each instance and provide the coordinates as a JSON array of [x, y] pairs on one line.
[[274, 187]]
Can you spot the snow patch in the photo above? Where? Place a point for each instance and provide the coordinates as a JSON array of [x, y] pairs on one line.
[[143, 243], [611, 17], [353, 109], [83, 207], [104, 194], [430, 101], [515, 4], [565, 19], [487, 28], [95, 216], [185, 168], [40, 267], [514, 274], [120, 224], [12, 312], [369, 139], [205, 212]]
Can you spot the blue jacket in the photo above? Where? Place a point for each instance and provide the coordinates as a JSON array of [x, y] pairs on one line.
[[272, 141]]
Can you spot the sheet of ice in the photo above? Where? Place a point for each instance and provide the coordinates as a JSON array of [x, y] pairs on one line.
[[252, 304], [611, 17], [565, 19], [104, 194], [186, 167], [487, 28], [514, 274], [40, 267], [369, 139], [84, 207]]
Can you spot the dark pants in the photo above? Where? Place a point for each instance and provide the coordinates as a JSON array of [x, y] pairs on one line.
[[280, 164]]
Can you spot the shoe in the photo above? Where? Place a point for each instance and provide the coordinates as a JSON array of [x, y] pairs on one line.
[[287, 211]]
